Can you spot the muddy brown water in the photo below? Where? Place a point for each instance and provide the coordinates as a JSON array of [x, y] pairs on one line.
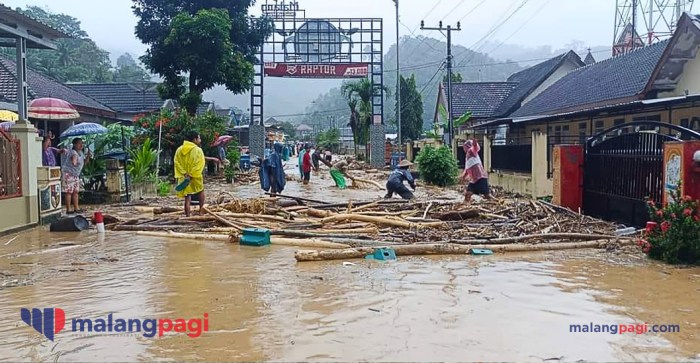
[[262, 305]]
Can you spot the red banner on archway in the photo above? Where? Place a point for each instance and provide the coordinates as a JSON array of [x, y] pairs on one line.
[[312, 70]]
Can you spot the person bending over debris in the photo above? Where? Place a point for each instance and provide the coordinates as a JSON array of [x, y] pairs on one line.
[[189, 170], [395, 182], [474, 173], [339, 172]]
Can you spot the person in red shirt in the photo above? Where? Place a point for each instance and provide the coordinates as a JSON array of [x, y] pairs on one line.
[[474, 173], [306, 165]]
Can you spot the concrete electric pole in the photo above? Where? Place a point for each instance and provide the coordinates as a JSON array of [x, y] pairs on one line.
[[398, 80], [449, 29]]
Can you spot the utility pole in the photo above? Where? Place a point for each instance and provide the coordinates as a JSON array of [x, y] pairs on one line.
[[449, 29], [398, 80]]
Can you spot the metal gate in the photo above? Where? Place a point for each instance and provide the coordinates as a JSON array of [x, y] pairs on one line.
[[624, 168]]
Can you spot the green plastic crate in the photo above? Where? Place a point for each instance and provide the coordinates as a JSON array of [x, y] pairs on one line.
[[255, 237]]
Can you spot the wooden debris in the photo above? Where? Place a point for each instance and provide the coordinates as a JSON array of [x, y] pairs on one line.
[[446, 249]]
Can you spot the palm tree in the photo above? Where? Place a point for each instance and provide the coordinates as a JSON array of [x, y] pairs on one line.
[[354, 123], [359, 94]]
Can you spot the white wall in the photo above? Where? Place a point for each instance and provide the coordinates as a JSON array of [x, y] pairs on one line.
[[690, 79], [560, 72]]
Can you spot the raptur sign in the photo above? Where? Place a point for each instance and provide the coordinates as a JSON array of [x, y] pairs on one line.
[[298, 70]]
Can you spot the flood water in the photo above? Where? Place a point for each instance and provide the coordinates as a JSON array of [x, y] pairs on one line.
[[263, 305]]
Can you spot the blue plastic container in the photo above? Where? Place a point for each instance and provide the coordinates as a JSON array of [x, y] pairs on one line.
[[382, 254], [244, 162], [255, 237]]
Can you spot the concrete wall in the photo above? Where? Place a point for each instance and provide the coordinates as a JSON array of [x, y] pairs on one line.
[[535, 184], [24, 211]]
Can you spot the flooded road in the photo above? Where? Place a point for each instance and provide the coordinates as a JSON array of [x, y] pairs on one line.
[[262, 305]]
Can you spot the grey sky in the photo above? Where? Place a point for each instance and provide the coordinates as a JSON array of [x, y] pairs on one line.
[[540, 22]]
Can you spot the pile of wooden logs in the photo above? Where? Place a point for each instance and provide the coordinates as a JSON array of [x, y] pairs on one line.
[[355, 229]]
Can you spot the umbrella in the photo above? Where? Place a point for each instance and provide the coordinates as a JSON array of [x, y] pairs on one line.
[[52, 109], [9, 116], [85, 128], [225, 139]]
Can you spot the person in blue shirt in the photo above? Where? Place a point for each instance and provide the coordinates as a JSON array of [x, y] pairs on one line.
[[395, 182]]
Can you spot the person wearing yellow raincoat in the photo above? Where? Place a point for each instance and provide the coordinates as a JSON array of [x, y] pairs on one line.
[[189, 170]]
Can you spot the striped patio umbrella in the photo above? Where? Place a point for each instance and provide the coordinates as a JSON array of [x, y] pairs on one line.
[[85, 128], [52, 109]]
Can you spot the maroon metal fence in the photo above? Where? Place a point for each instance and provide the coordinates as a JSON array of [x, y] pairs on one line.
[[10, 166]]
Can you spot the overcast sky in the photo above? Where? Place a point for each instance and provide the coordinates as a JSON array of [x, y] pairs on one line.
[[539, 22]]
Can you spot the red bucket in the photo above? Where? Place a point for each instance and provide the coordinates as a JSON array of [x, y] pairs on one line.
[[98, 218]]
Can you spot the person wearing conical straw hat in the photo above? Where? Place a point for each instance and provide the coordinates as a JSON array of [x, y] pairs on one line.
[[396, 179]]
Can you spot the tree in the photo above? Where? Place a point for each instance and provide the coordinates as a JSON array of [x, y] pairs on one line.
[[329, 140], [77, 59], [129, 71], [359, 95], [214, 42], [289, 129], [411, 109], [456, 78]]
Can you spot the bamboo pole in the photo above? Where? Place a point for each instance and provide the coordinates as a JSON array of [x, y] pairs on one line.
[[223, 220], [547, 236], [366, 181], [305, 243], [298, 198], [371, 205], [446, 249], [194, 236]]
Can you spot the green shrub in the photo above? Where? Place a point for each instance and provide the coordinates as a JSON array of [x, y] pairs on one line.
[[163, 188], [437, 166], [233, 155], [142, 162], [675, 236]]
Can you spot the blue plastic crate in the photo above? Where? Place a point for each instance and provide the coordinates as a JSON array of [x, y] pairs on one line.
[[255, 237]]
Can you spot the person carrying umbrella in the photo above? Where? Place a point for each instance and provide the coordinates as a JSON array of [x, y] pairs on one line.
[[189, 170], [71, 167]]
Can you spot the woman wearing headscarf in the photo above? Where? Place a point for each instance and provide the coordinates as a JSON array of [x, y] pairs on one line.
[[474, 174]]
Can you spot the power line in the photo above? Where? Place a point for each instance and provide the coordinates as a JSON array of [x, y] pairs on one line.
[[454, 8], [493, 31], [472, 10], [522, 26]]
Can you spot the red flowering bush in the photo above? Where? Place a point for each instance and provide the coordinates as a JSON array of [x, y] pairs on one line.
[[673, 234], [175, 124]]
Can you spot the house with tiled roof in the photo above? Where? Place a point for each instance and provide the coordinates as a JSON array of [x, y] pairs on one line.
[[41, 86], [491, 100], [127, 99], [649, 92]]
